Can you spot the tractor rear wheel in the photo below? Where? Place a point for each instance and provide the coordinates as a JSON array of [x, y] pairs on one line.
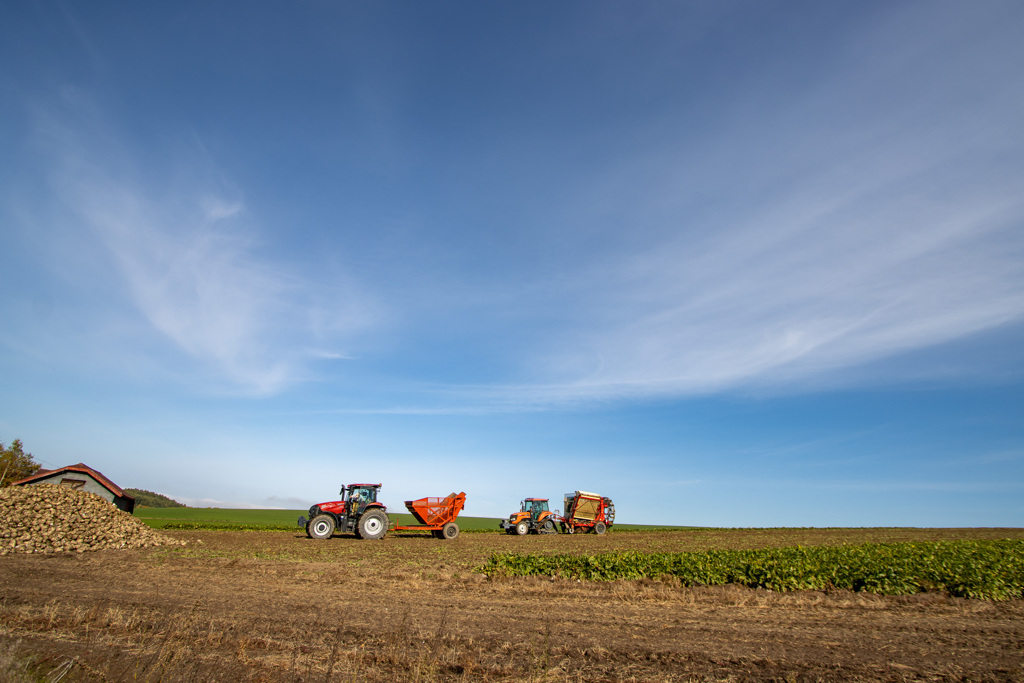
[[449, 531], [321, 526], [523, 528], [548, 527], [600, 528], [372, 525]]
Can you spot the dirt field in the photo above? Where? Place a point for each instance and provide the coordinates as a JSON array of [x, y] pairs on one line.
[[259, 606]]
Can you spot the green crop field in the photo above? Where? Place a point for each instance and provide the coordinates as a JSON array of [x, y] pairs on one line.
[[285, 520], [265, 520], [217, 518]]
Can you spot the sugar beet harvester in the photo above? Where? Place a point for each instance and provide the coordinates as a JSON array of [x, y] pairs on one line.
[[359, 513], [584, 511]]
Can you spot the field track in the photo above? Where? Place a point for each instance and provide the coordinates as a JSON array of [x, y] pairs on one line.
[[275, 606]]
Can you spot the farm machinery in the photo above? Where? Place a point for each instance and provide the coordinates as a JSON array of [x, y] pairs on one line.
[[436, 515], [358, 512], [584, 511], [533, 517]]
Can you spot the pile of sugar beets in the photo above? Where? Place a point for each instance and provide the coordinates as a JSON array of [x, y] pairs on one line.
[[47, 518]]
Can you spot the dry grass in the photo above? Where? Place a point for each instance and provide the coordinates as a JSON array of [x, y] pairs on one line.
[[14, 667], [273, 607]]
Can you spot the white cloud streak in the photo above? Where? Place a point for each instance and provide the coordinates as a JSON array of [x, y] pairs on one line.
[[807, 241], [186, 255]]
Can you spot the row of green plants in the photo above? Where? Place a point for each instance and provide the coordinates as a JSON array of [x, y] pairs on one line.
[[989, 569], [225, 526]]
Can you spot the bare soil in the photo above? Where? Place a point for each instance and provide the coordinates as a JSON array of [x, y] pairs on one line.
[[261, 606]]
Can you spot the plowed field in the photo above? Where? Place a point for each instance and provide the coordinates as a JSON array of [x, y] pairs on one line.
[[263, 606]]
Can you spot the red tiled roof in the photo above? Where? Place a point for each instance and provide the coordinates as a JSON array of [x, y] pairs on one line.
[[81, 468]]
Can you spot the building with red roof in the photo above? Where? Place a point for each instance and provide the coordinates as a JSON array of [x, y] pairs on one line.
[[82, 477]]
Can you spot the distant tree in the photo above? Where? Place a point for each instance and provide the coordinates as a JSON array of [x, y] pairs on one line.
[[15, 463], [149, 499]]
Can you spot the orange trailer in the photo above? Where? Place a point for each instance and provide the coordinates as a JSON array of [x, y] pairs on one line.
[[436, 515]]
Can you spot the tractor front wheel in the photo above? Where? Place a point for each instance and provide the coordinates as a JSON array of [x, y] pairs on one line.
[[372, 525], [449, 531], [522, 528], [321, 526], [600, 528]]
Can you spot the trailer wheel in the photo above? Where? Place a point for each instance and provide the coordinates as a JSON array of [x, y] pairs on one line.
[[522, 528], [449, 531], [321, 526], [570, 529], [600, 528], [373, 525]]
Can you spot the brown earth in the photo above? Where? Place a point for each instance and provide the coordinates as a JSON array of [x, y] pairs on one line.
[[262, 606]]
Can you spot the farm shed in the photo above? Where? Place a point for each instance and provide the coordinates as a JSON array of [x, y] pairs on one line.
[[84, 478]]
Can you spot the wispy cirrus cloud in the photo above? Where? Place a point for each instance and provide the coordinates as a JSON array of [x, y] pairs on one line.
[[175, 239], [875, 213]]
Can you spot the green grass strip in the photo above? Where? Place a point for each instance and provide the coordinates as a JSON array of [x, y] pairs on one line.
[[992, 570], [225, 526]]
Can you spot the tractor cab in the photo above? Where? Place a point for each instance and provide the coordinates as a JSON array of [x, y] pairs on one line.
[[357, 496], [364, 493], [534, 506]]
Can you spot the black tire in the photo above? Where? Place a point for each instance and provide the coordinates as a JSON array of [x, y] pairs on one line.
[[548, 527], [600, 528], [522, 528], [372, 525], [320, 527], [449, 531]]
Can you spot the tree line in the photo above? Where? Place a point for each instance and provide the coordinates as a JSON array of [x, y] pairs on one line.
[[149, 499]]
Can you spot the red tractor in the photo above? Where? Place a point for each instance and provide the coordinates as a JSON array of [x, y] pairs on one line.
[[358, 512]]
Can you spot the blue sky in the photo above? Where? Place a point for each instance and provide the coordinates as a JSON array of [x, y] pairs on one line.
[[729, 263]]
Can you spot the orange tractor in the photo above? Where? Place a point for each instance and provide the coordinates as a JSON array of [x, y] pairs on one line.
[[533, 517]]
